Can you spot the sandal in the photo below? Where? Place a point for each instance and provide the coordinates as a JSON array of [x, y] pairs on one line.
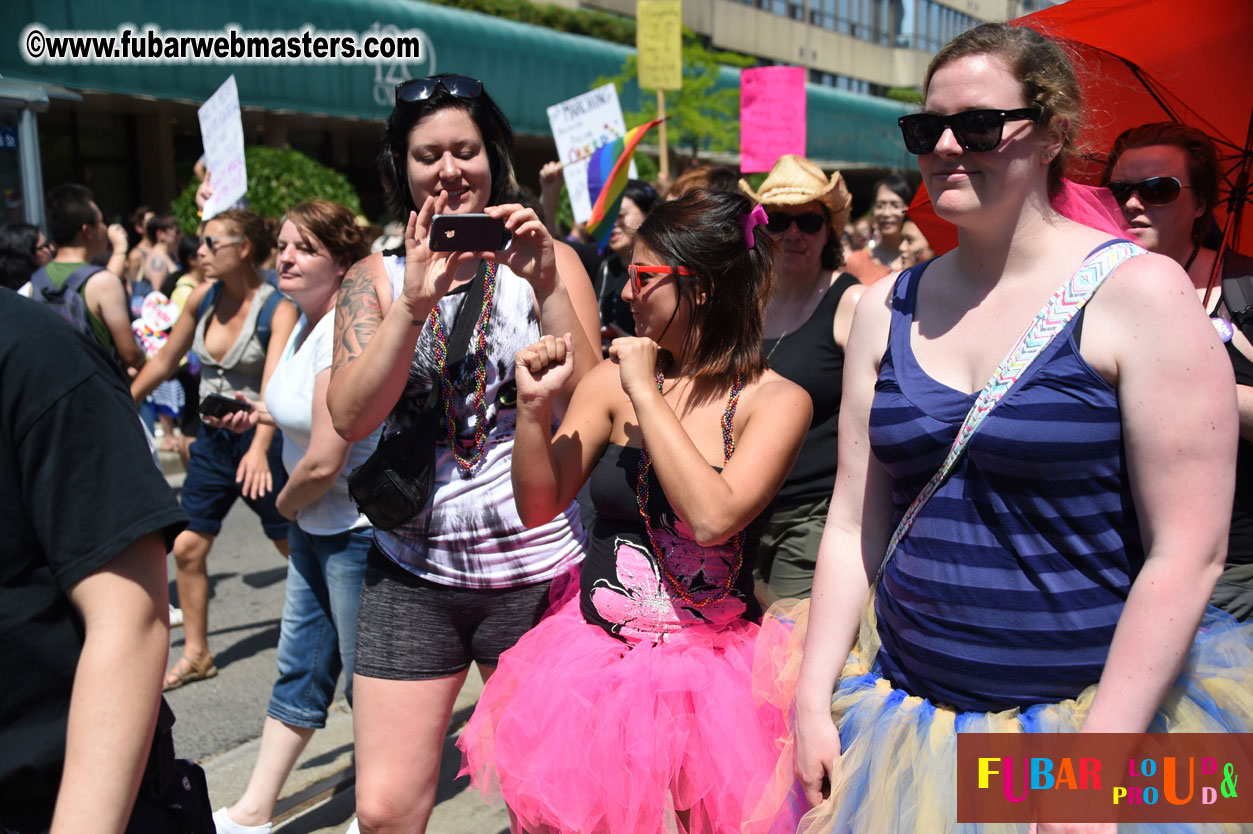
[[187, 671]]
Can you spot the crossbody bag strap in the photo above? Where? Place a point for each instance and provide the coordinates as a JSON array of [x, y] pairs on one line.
[[1047, 324], [459, 338]]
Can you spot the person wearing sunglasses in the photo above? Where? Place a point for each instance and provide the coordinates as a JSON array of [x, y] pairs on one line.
[[1052, 576], [236, 326], [630, 704], [23, 249], [892, 196], [464, 578], [806, 331], [1165, 177]]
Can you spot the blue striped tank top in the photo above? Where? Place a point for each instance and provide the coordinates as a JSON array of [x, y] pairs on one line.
[[1007, 589]]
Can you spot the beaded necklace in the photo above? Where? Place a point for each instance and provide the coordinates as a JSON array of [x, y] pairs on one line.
[[467, 462], [641, 500]]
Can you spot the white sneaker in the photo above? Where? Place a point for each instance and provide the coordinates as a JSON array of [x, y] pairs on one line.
[[353, 827], [226, 825], [176, 620]]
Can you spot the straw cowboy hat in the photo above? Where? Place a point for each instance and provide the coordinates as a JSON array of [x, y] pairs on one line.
[[794, 181]]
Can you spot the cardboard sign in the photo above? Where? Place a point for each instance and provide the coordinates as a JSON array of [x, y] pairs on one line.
[[222, 133], [772, 115], [659, 44], [581, 125]]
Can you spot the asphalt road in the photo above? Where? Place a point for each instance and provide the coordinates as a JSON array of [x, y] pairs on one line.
[[246, 577], [219, 720]]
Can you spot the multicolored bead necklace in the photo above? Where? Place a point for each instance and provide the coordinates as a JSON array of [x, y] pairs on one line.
[[467, 462], [641, 500]]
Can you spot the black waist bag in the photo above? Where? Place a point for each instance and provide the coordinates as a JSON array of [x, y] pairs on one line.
[[395, 482], [173, 795]]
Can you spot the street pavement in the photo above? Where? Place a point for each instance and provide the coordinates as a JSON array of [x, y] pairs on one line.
[[219, 720]]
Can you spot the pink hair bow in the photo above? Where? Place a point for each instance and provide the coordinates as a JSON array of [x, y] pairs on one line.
[[751, 220]]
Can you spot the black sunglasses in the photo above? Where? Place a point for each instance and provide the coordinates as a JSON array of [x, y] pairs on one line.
[[420, 89], [974, 130], [1155, 191], [809, 223]]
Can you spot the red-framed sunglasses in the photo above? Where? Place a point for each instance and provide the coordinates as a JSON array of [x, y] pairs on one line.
[[634, 270]]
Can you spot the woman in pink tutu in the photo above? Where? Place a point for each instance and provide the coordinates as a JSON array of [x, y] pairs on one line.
[[629, 708]]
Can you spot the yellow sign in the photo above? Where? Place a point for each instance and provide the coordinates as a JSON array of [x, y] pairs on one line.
[[659, 44]]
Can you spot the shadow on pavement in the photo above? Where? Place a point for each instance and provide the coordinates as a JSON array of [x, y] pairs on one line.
[[264, 639], [265, 578]]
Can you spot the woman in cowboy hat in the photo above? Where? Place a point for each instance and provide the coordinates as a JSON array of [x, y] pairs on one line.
[[806, 330]]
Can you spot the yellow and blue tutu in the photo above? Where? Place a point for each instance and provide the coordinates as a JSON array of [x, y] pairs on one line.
[[897, 772]]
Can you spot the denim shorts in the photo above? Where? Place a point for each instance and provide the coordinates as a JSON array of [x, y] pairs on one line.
[[209, 489], [411, 629], [319, 632]]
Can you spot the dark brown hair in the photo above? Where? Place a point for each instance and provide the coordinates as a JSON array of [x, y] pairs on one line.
[[705, 177], [334, 225], [394, 146], [159, 223], [69, 209], [251, 227], [1197, 148], [701, 231], [1040, 65]]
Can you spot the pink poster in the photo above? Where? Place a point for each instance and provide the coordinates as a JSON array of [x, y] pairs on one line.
[[772, 115]]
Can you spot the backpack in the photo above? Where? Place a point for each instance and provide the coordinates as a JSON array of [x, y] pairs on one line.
[[263, 318], [67, 300]]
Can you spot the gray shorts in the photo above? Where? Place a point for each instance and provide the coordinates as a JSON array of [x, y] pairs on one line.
[[411, 629]]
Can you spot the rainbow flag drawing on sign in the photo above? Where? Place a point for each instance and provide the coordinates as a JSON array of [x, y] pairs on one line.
[[607, 178]]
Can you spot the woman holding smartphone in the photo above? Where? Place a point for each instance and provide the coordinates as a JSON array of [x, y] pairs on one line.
[[317, 243], [237, 325], [463, 579]]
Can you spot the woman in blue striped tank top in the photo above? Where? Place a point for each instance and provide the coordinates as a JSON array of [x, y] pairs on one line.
[[1056, 580]]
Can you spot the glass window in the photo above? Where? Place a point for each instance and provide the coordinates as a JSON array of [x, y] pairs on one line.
[[10, 167], [843, 16]]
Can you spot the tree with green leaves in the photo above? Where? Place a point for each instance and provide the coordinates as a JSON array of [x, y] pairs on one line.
[[278, 178], [701, 117]]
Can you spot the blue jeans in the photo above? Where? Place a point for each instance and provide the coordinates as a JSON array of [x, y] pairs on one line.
[[319, 631]]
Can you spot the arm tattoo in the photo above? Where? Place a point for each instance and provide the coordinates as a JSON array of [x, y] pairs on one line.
[[357, 316]]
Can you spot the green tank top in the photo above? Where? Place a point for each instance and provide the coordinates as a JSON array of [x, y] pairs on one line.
[[58, 274]]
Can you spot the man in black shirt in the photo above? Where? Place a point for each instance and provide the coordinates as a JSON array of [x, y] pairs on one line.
[[85, 523]]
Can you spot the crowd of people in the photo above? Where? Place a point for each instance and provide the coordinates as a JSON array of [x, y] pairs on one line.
[[742, 520]]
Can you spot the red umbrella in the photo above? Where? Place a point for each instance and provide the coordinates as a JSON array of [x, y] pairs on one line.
[[1144, 61]]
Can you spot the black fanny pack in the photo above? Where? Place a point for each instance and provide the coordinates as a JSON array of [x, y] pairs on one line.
[[395, 482]]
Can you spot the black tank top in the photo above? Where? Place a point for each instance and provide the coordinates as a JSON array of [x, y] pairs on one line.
[[622, 587], [810, 357]]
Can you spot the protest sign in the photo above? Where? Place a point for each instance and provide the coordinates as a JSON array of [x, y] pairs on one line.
[[658, 44], [772, 115], [581, 125], [222, 134]]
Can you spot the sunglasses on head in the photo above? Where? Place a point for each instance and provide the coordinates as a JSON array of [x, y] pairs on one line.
[[809, 222], [420, 89], [634, 270], [1155, 191], [974, 130]]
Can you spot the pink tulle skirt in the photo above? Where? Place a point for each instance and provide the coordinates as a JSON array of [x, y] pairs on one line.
[[581, 732]]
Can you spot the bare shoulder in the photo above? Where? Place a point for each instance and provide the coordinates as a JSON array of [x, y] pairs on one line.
[[1144, 284], [566, 255], [874, 309], [776, 393], [103, 279], [1146, 307], [604, 380]]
